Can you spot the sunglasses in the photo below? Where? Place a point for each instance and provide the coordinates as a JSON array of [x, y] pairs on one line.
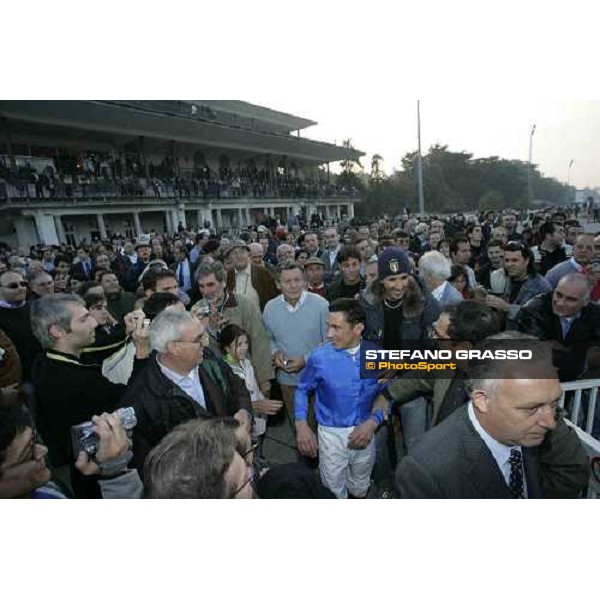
[[15, 285]]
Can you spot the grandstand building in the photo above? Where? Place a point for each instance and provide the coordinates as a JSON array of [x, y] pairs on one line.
[[74, 171]]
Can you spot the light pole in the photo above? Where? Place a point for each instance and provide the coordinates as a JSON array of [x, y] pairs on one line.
[[529, 173], [420, 162], [569, 180]]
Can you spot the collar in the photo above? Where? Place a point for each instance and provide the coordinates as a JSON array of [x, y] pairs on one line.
[[500, 452], [299, 304], [438, 292], [576, 265], [246, 271], [4, 304], [174, 376], [65, 358]]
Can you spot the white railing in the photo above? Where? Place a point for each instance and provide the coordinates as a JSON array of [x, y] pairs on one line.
[[574, 407], [586, 389]]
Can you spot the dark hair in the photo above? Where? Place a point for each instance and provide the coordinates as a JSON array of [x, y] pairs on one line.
[[472, 321], [152, 277], [548, 228], [455, 243], [92, 299], [86, 286], [288, 265], [154, 305], [106, 272], [515, 246], [61, 258], [471, 227], [301, 251], [13, 421], [442, 241], [457, 271], [495, 243], [192, 460], [400, 233], [353, 311], [346, 253], [229, 334]]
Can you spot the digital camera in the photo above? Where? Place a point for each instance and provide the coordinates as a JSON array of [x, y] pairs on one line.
[[85, 439]]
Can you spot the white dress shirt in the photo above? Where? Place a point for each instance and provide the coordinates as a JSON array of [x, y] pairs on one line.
[[243, 286], [500, 452], [439, 291], [298, 304], [190, 383]]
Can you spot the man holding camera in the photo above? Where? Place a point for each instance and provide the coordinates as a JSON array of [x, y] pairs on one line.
[[25, 474], [67, 391]]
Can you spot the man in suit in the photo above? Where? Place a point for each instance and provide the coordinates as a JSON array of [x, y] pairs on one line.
[[497, 445], [329, 255], [434, 271], [85, 267], [183, 269]]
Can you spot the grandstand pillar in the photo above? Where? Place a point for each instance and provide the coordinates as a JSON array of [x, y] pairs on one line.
[[339, 212], [102, 226], [240, 212], [219, 218], [248, 217], [179, 216], [350, 211], [168, 221], [60, 230], [46, 229], [137, 224]]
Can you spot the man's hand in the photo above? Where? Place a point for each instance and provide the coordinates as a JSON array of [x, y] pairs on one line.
[[243, 418], [497, 303], [361, 436], [131, 320], [278, 359], [113, 443], [268, 407], [295, 364], [141, 338], [306, 440]]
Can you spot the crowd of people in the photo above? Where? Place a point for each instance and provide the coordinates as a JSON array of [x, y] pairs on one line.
[[102, 179], [211, 340]]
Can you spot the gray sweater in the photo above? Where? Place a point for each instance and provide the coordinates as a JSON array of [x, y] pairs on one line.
[[295, 333]]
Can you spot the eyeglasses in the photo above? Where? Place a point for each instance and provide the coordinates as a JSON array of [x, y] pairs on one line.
[[15, 285], [203, 341]]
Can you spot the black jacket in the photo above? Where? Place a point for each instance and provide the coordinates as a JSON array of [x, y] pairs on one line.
[[537, 318], [160, 405], [16, 323]]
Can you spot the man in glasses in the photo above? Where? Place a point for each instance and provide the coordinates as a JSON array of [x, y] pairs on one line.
[[24, 472], [180, 383], [15, 320]]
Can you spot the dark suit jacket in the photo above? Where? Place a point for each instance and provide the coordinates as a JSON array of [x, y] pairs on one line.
[[79, 273], [262, 281], [452, 461]]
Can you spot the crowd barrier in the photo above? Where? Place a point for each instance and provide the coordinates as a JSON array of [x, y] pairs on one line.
[[579, 399]]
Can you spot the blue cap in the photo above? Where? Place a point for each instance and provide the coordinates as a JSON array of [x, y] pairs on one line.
[[393, 261]]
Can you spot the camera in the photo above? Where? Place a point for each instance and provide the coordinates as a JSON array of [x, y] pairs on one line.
[[84, 437]]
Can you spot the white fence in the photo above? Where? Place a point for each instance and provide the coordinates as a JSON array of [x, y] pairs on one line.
[[579, 399]]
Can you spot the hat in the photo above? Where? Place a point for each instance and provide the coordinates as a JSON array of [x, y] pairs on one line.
[[393, 261], [237, 244], [314, 260], [142, 244], [262, 229]]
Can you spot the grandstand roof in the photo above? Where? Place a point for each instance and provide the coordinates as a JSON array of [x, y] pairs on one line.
[[226, 124]]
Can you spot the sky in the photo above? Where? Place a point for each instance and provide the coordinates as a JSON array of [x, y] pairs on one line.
[[565, 129]]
